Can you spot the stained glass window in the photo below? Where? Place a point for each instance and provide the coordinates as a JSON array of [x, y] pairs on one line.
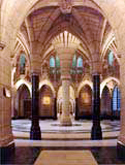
[[74, 61], [80, 62], [116, 99], [57, 62], [52, 62], [22, 64], [110, 58]]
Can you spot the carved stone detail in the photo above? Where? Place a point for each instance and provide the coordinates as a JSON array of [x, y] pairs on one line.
[[65, 6]]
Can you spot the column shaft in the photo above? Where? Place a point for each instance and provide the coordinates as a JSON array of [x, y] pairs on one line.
[[35, 132], [65, 117], [55, 108], [96, 132], [76, 110]]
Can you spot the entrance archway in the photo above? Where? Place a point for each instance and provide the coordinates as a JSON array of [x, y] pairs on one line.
[[85, 103], [46, 103], [23, 102], [106, 112]]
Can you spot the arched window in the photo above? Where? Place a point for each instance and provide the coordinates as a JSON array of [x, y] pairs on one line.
[[79, 62], [116, 99], [22, 62], [110, 58], [119, 99], [52, 62], [57, 62], [74, 61]]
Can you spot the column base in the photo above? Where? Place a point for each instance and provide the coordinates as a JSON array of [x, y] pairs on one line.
[[6, 152], [121, 151], [96, 133], [35, 133], [65, 120]]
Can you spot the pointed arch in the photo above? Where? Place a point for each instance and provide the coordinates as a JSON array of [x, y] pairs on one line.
[[104, 83], [85, 102], [106, 111], [21, 82], [48, 83], [46, 102], [22, 102], [83, 83]]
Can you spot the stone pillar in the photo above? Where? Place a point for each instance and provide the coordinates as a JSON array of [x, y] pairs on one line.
[[35, 132], [96, 132], [13, 113], [6, 136], [65, 55], [121, 138], [65, 44], [65, 117], [76, 110], [55, 108]]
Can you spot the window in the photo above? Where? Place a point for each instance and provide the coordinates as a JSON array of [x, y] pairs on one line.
[[79, 62], [52, 62], [57, 62], [22, 63], [110, 58], [116, 99], [74, 61]]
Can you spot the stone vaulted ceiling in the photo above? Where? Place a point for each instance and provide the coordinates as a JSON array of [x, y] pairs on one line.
[[86, 23]]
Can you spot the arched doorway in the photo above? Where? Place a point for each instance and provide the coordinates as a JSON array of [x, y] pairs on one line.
[[106, 112], [46, 103], [85, 103], [23, 106]]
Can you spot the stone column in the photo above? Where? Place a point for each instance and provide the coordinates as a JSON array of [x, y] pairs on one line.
[[76, 110], [96, 132], [65, 44], [121, 137], [35, 132], [55, 108], [65, 54], [65, 117], [13, 113], [6, 136]]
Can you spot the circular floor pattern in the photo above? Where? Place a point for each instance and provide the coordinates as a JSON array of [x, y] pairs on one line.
[[81, 126]]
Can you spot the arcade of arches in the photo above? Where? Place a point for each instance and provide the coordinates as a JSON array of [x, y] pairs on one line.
[[62, 60]]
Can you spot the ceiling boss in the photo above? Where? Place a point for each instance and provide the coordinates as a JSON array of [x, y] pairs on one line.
[[65, 6]]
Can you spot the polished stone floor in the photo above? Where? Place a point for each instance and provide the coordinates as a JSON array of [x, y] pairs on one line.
[[51, 129], [64, 142], [29, 155], [24, 125], [63, 157]]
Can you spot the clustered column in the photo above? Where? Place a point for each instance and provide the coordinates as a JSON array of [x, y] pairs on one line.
[[65, 58], [35, 132], [65, 117]]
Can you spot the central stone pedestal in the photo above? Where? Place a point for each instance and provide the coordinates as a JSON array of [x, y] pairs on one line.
[[65, 120]]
